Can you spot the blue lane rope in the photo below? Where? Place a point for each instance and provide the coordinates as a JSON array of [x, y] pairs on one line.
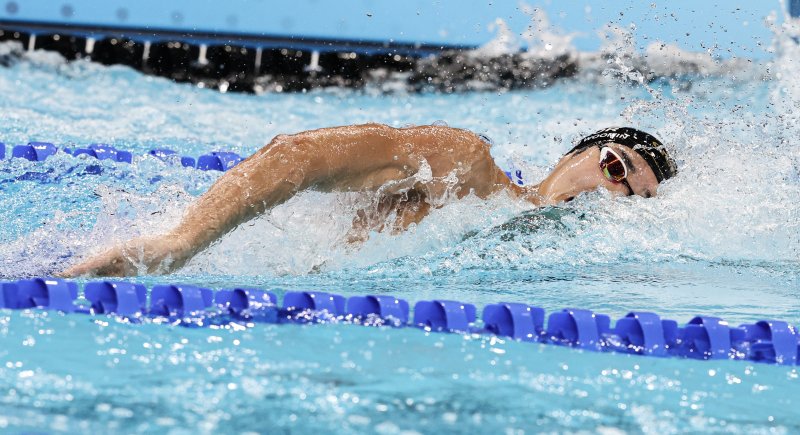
[[640, 333], [40, 151]]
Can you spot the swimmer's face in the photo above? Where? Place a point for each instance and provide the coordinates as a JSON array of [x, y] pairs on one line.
[[580, 171]]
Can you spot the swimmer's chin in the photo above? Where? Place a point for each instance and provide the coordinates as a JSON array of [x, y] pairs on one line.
[[536, 197], [543, 197]]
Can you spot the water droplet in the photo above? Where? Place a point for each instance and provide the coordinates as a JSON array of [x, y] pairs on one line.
[[67, 11]]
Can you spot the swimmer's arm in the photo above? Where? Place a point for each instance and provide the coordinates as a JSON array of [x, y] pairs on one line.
[[349, 158], [338, 158], [325, 160]]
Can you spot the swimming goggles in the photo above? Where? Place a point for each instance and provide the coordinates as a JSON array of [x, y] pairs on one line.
[[613, 167]]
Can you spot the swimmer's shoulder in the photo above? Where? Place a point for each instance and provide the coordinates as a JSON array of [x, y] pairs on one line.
[[435, 136], [454, 135], [437, 129]]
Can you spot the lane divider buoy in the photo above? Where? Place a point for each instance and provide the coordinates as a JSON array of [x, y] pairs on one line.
[[639, 332], [40, 151]]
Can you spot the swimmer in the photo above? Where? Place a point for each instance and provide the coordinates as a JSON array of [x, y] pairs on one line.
[[410, 170]]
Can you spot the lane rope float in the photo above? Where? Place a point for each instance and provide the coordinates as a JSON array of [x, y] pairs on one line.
[[40, 151], [639, 332]]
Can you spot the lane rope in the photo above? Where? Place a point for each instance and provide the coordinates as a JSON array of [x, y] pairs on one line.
[[40, 151], [639, 332]]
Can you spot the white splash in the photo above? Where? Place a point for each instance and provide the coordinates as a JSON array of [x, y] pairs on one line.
[[11, 48], [504, 42], [543, 40]]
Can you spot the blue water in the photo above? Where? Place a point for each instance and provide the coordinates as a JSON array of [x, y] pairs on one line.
[[721, 238]]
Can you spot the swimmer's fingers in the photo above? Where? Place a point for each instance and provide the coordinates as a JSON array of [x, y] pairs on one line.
[[109, 263], [152, 254], [77, 270]]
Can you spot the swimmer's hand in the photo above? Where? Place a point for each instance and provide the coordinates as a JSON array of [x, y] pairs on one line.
[[144, 255]]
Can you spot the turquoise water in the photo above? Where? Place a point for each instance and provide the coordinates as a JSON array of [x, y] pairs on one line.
[[721, 238]]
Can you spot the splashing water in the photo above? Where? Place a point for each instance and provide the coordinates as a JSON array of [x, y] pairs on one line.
[[504, 42], [720, 238], [544, 41]]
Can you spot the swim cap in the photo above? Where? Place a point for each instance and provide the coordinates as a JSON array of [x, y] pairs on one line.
[[645, 144]]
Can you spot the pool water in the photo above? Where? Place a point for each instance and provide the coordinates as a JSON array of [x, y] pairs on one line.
[[720, 239]]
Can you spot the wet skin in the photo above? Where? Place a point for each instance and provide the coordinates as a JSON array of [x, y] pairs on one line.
[[409, 170]]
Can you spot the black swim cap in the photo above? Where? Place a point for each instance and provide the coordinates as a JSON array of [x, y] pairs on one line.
[[645, 144]]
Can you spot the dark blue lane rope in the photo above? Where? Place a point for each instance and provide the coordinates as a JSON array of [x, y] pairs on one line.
[[40, 151], [640, 333]]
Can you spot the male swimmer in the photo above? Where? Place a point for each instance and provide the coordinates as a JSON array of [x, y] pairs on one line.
[[409, 168]]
